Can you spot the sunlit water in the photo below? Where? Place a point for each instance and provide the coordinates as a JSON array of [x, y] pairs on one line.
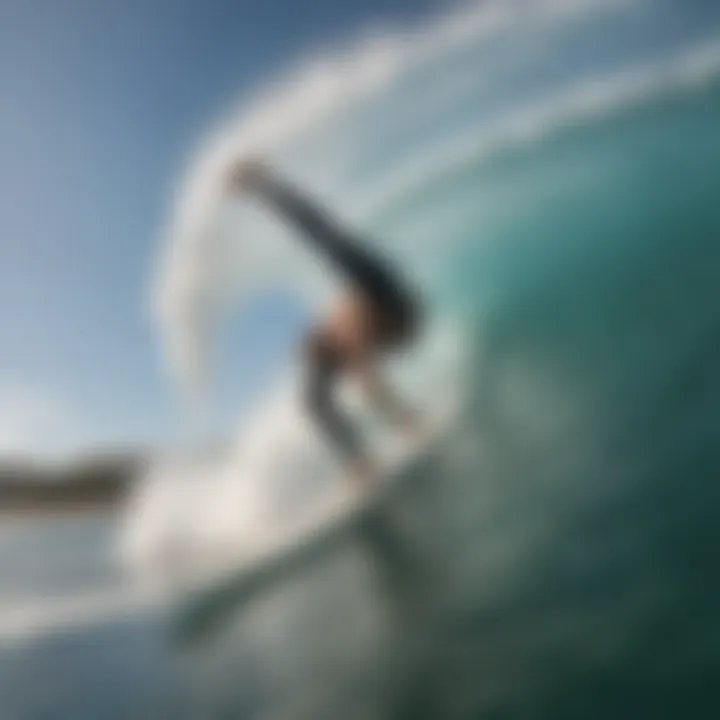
[[556, 558]]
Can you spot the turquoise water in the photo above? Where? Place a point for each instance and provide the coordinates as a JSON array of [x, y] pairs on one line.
[[557, 557]]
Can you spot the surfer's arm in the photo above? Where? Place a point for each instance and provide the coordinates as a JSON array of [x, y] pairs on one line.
[[338, 429], [346, 252], [293, 205], [334, 424]]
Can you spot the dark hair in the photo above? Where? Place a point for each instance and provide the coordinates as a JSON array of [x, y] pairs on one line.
[[321, 350]]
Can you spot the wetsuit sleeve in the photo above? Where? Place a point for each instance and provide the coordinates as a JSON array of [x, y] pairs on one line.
[[301, 212], [349, 256]]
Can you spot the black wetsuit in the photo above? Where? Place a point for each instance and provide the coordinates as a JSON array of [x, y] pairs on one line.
[[396, 305]]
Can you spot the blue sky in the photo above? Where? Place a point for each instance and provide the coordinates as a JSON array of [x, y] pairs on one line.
[[102, 103]]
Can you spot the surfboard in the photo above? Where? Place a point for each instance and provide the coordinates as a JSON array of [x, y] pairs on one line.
[[200, 609]]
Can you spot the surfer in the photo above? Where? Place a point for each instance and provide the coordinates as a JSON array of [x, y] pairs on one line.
[[377, 314]]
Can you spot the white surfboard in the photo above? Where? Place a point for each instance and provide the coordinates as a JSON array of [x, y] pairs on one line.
[[201, 608]]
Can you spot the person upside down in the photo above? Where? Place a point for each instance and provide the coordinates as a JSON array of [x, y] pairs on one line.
[[377, 314]]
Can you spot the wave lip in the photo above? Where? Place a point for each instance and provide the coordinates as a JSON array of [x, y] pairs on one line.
[[193, 290], [591, 98]]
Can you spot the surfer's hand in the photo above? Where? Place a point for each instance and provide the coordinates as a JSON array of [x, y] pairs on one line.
[[248, 174], [362, 473], [412, 423]]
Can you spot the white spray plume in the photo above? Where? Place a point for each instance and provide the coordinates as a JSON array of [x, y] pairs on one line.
[[195, 284]]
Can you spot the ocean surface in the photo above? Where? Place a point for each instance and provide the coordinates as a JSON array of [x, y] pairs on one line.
[[556, 556]]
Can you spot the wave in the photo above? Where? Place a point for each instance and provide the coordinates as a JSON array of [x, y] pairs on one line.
[[189, 505]]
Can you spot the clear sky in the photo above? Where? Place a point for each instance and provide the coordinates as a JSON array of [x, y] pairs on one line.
[[101, 105]]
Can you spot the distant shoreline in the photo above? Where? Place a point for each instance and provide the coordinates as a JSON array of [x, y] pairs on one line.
[[56, 502], [94, 485], [28, 514]]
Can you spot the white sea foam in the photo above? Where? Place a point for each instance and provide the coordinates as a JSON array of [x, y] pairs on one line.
[[22, 621], [276, 473]]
